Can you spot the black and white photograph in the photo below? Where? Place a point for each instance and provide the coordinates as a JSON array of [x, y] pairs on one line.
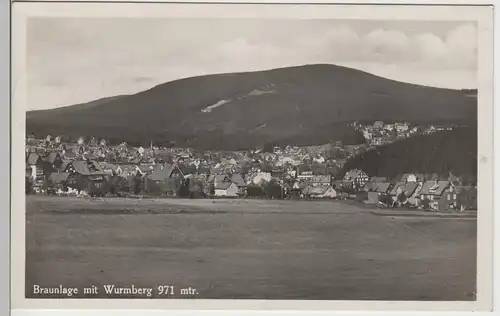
[[248, 157]]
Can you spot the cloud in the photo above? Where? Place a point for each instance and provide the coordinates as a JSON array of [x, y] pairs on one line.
[[142, 79], [430, 46], [387, 44]]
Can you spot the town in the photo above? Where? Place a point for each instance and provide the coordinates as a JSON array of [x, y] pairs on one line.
[[91, 167]]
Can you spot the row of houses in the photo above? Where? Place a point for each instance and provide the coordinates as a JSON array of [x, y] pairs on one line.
[[379, 133], [168, 179], [413, 191]]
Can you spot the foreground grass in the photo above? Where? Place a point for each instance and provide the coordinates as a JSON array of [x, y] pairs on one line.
[[249, 249]]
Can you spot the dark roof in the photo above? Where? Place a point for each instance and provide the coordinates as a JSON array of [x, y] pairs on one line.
[[33, 159], [162, 172], [382, 187], [222, 185], [51, 157], [408, 188], [378, 179], [316, 190], [434, 187], [84, 167], [144, 169], [64, 165], [59, 177], [238, 179], [353, 174], [203, 169]]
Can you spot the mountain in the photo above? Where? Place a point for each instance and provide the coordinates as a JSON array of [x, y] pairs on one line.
[[439, 153], [242, 110]]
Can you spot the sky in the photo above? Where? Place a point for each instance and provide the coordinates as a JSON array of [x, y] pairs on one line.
[[76, 60]]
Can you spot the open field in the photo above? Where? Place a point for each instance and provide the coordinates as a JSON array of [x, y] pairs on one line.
[[249, 249]]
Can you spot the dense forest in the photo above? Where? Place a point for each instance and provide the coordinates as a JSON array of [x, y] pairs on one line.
[[436, 154]]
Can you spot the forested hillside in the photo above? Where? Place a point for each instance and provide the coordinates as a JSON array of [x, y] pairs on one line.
[[439, 153]]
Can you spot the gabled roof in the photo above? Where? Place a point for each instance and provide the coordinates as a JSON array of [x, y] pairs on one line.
[[218, 178], [162, 172], [51, 157], [59, 177], [211, 178], [33, 159], [353, 174], [316, 190], [237, 178], [434, 187], [222, 185], [144, 169], [64, 165], [383, 187], [407, 187], [84, 167]]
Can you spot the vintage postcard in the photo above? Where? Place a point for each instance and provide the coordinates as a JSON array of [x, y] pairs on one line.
[[250, 156]]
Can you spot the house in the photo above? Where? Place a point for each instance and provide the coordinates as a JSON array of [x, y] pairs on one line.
[[305, 176], [339, 163], [196, 186], [401, 127], [85, 175], [378, 124], [218, 178], [35, 163], [406, 193], [388, 127], [226, 189], [237, 179], [286, 160], [321, 180], [168, 176], [52, 160], [223, 183], [319, 159], [439, 195], [320, 192], [42, 165], [341, 185], [163, 172], [60, 180], [377, 141], [292, 173], [357, 178], [375, 189], [126, 171], [144, 169]]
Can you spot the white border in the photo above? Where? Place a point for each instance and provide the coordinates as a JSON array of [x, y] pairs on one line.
[[484, 18]]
